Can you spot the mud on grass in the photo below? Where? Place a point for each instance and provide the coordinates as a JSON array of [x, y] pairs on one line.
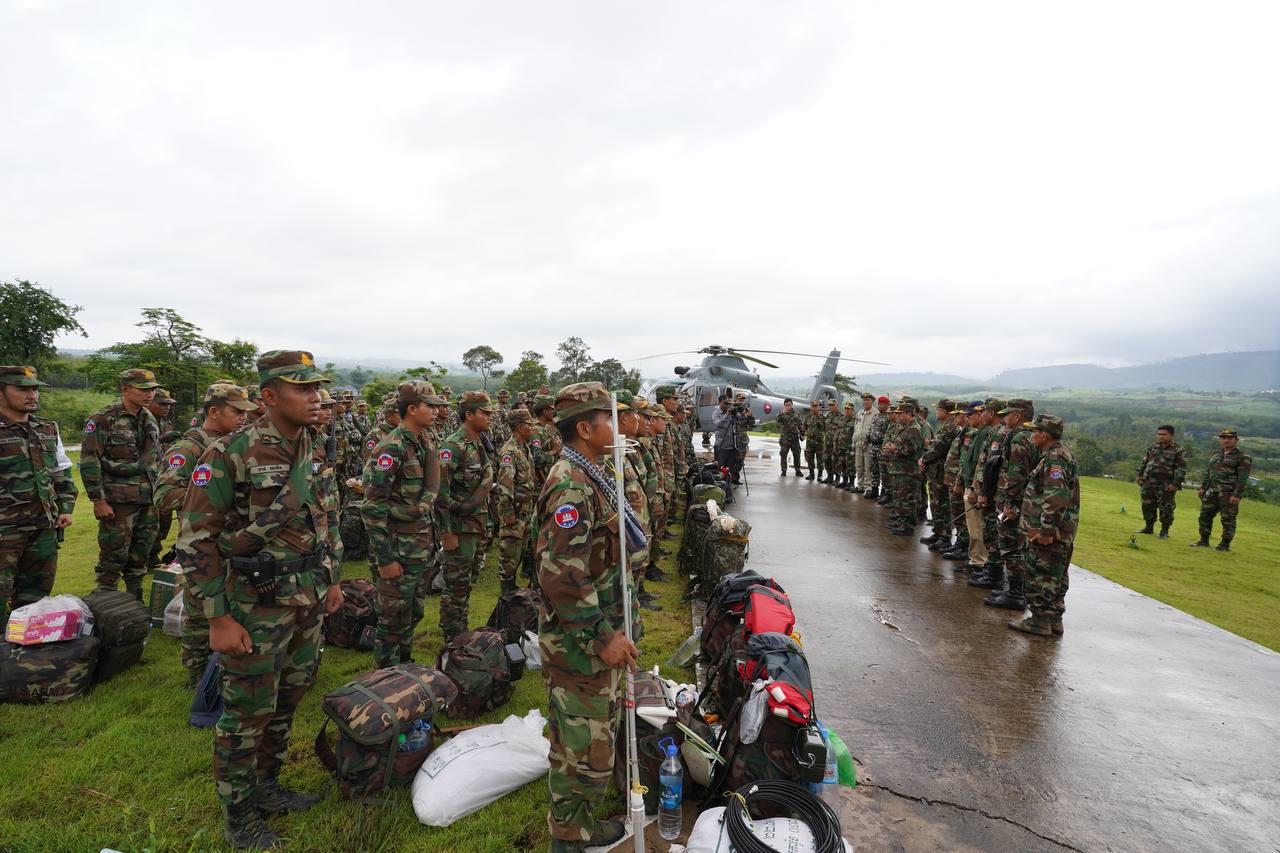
[[121, 768]]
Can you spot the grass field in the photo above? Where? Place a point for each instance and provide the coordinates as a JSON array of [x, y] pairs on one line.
[[121, 768], [1238, 591]]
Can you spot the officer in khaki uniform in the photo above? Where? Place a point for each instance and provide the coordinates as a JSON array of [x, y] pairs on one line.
[[118, 457], [37, 493]]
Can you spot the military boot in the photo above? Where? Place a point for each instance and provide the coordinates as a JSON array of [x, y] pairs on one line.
[[1224, 545], [133, 586], [810, 477], [1150, 528], [506, 585], [883, 499], [246, 830], [655, 574], [274, 798], [1164, 532], [607, 833], [1041, 626], [992, 577], [872, 493], [930, 539], [1203, 542], [1014, 597]]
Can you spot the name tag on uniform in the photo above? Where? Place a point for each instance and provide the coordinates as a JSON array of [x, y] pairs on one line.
[[269, 469]]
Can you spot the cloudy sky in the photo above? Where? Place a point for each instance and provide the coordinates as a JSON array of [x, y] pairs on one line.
[[947, 186]]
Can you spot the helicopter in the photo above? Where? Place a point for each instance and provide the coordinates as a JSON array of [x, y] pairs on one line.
[[724, 370]]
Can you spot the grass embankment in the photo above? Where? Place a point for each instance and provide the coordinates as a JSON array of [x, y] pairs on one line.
[[121, 768], [1238, 591]]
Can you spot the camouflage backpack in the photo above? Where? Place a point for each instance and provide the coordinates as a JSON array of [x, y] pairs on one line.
[[696, 522], [477, 663], [724, 552], [48, 672], [515, 613], [370, 714], [352, 625], [355, 544]]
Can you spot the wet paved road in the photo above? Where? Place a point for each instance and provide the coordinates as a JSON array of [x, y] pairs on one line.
[[1142, 729]]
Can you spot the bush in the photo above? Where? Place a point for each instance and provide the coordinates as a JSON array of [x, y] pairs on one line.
[[71, 409]]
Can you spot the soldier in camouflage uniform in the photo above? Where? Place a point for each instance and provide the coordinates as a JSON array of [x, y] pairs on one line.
[[585, 649], [901, 451], [361, 418], [664, 457], [1018, 457], [225, 410], [500, 423], [635, 478], [846, 462], [453, 420], [683, 453], [388, 419], [255, 397], [161, 408], [932, 463], [951, 481], [118, 457], [1050, 514], [546, 441], [875, 439], [670, 404], [1160, 476], [813, 439], [466, 478], [1226, 476], [252, 498], [975, 439], [830, 441], [37, 493], [515, 490], [789, 427], [401, 480]]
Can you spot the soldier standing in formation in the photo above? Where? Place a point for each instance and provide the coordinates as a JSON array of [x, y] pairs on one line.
[[1019, 455], [499, 424], [515, 490], [813, 439], [1160, 476], [225, 408], [251, 498], [466, 477], [585, 650], [35, 478], [861, 426], [789, 426], [545, 441], [1225, 478], [875, 438], [845, 461], [118, 457], [401, 481]]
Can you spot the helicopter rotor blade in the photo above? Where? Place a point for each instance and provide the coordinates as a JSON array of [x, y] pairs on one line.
[[816, 355], [745, 357], [659, 355]]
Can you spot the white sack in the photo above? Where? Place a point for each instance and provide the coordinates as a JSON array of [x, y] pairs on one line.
[[781, 833]]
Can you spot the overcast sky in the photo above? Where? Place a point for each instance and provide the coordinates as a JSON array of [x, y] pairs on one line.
[[947, 186]]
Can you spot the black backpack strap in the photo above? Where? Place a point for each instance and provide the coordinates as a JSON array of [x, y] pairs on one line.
[[395, 731]]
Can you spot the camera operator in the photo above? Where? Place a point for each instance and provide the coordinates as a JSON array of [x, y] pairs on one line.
[[730, 425]]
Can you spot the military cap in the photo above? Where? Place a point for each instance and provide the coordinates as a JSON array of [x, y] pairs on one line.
[[446, 390], [362, 402], [230, 394], [994, 404], [581, 397], [542, 401], [656, 411], [832, 402], [326, 399], [662, 392], [1228, 433], [1016, 404], [882, 399], [1051, 424], [975, 407], [626, 400], [503, 393], [255, 392], [640, 404], [472, 401], [162, 397], [297, 367], [139, 378], [417, 391], [867, 395], [848, 404], [945, 404], [521, 416], [21, 375]]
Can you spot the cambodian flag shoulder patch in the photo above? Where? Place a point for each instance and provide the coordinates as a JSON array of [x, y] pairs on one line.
[[1055, 472], [506, 459], [537, 442], [566, 515], [90, 426], [177, 460], [385, 461], [370, 444], [446, 455], [202, 475]]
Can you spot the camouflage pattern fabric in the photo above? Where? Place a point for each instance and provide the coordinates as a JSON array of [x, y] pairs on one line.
[[844, 461], [252, 494], [33, 493], [1163, 466], [462, 508], [813, 442], [515, 491], [582, 610], [875, 438], [1225, 476], [789, 427], [908, 443], [1020, 458], [934, 458], [118, 456], [1051, 507], [476, 661], [401, 481]]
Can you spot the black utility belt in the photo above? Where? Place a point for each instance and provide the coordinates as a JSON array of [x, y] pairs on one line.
[[264, 571]]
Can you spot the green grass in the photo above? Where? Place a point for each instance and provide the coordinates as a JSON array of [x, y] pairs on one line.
[[121, 768], [1238, 591]]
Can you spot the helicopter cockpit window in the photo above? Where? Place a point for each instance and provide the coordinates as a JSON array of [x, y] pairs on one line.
[[707, 396]]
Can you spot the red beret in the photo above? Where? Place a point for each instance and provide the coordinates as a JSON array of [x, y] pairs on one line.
[[882, 399]]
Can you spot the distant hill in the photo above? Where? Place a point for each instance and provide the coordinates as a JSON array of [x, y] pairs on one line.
[[1222, 371], [916, 380]]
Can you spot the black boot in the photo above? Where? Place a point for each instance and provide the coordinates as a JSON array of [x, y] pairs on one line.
[[956, 554], [655, 574], [872, 493], [810, 477], [1203, 542], [133, 586], [246, 830], [1150, 528], [274, 798], [991, 577], [857, 490], [607, 832], [1164, 532], [1224, 545], [1012, 598], [930, 539], [883, 499]]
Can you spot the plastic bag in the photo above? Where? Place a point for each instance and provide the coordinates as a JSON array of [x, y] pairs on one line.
[[532, 652], [844, 760], [49, 620], [173, 616], [781, 833], [479, 766], [754, 710]]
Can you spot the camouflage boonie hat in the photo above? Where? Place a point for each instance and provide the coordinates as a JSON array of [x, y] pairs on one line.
[[254, 392], [542, 400], [520, 416], [138, 377], [446, 390], [297, 367], [473, 400], [625, 400], [1051, 424], [326, 399], [503, 393], [1016, 404], [581, 397], [162, 397], [232, 395], [1228, 433], [662, 392], [418, 391], [994, 404], [21, 375]]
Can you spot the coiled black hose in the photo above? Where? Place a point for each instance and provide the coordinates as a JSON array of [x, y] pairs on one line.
[[795, 801]]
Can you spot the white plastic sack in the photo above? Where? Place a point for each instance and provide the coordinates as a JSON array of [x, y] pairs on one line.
[[532, 651], [473, 769], [173, 615], [781, 833]]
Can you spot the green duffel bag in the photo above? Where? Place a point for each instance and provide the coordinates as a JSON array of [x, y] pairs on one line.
[[47, 672], [477, 663]]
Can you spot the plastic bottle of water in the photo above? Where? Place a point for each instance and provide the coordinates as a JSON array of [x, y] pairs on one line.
[[830, 791], [415, 738], [671, 778]]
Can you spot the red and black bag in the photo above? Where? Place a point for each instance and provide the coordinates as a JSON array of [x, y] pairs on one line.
[[724, 611], [765, 610]]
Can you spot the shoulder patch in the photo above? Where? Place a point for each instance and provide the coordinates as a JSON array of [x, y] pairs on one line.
[[90, 426], [1056, 472], [506, 459], [202, 475], [385, 461], [177, 460], [567, 516], [446, 455], [370, 444], [537, 442]]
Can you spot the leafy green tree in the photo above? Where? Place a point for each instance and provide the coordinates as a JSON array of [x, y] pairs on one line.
[[30, 318], [612, 374], [375, 389], [433, 373], [483, 359], [575, 361], [531, 372], [845, 385]]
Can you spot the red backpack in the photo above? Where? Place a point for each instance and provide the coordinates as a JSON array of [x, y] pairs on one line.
[[765, 610], [724, 612]]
